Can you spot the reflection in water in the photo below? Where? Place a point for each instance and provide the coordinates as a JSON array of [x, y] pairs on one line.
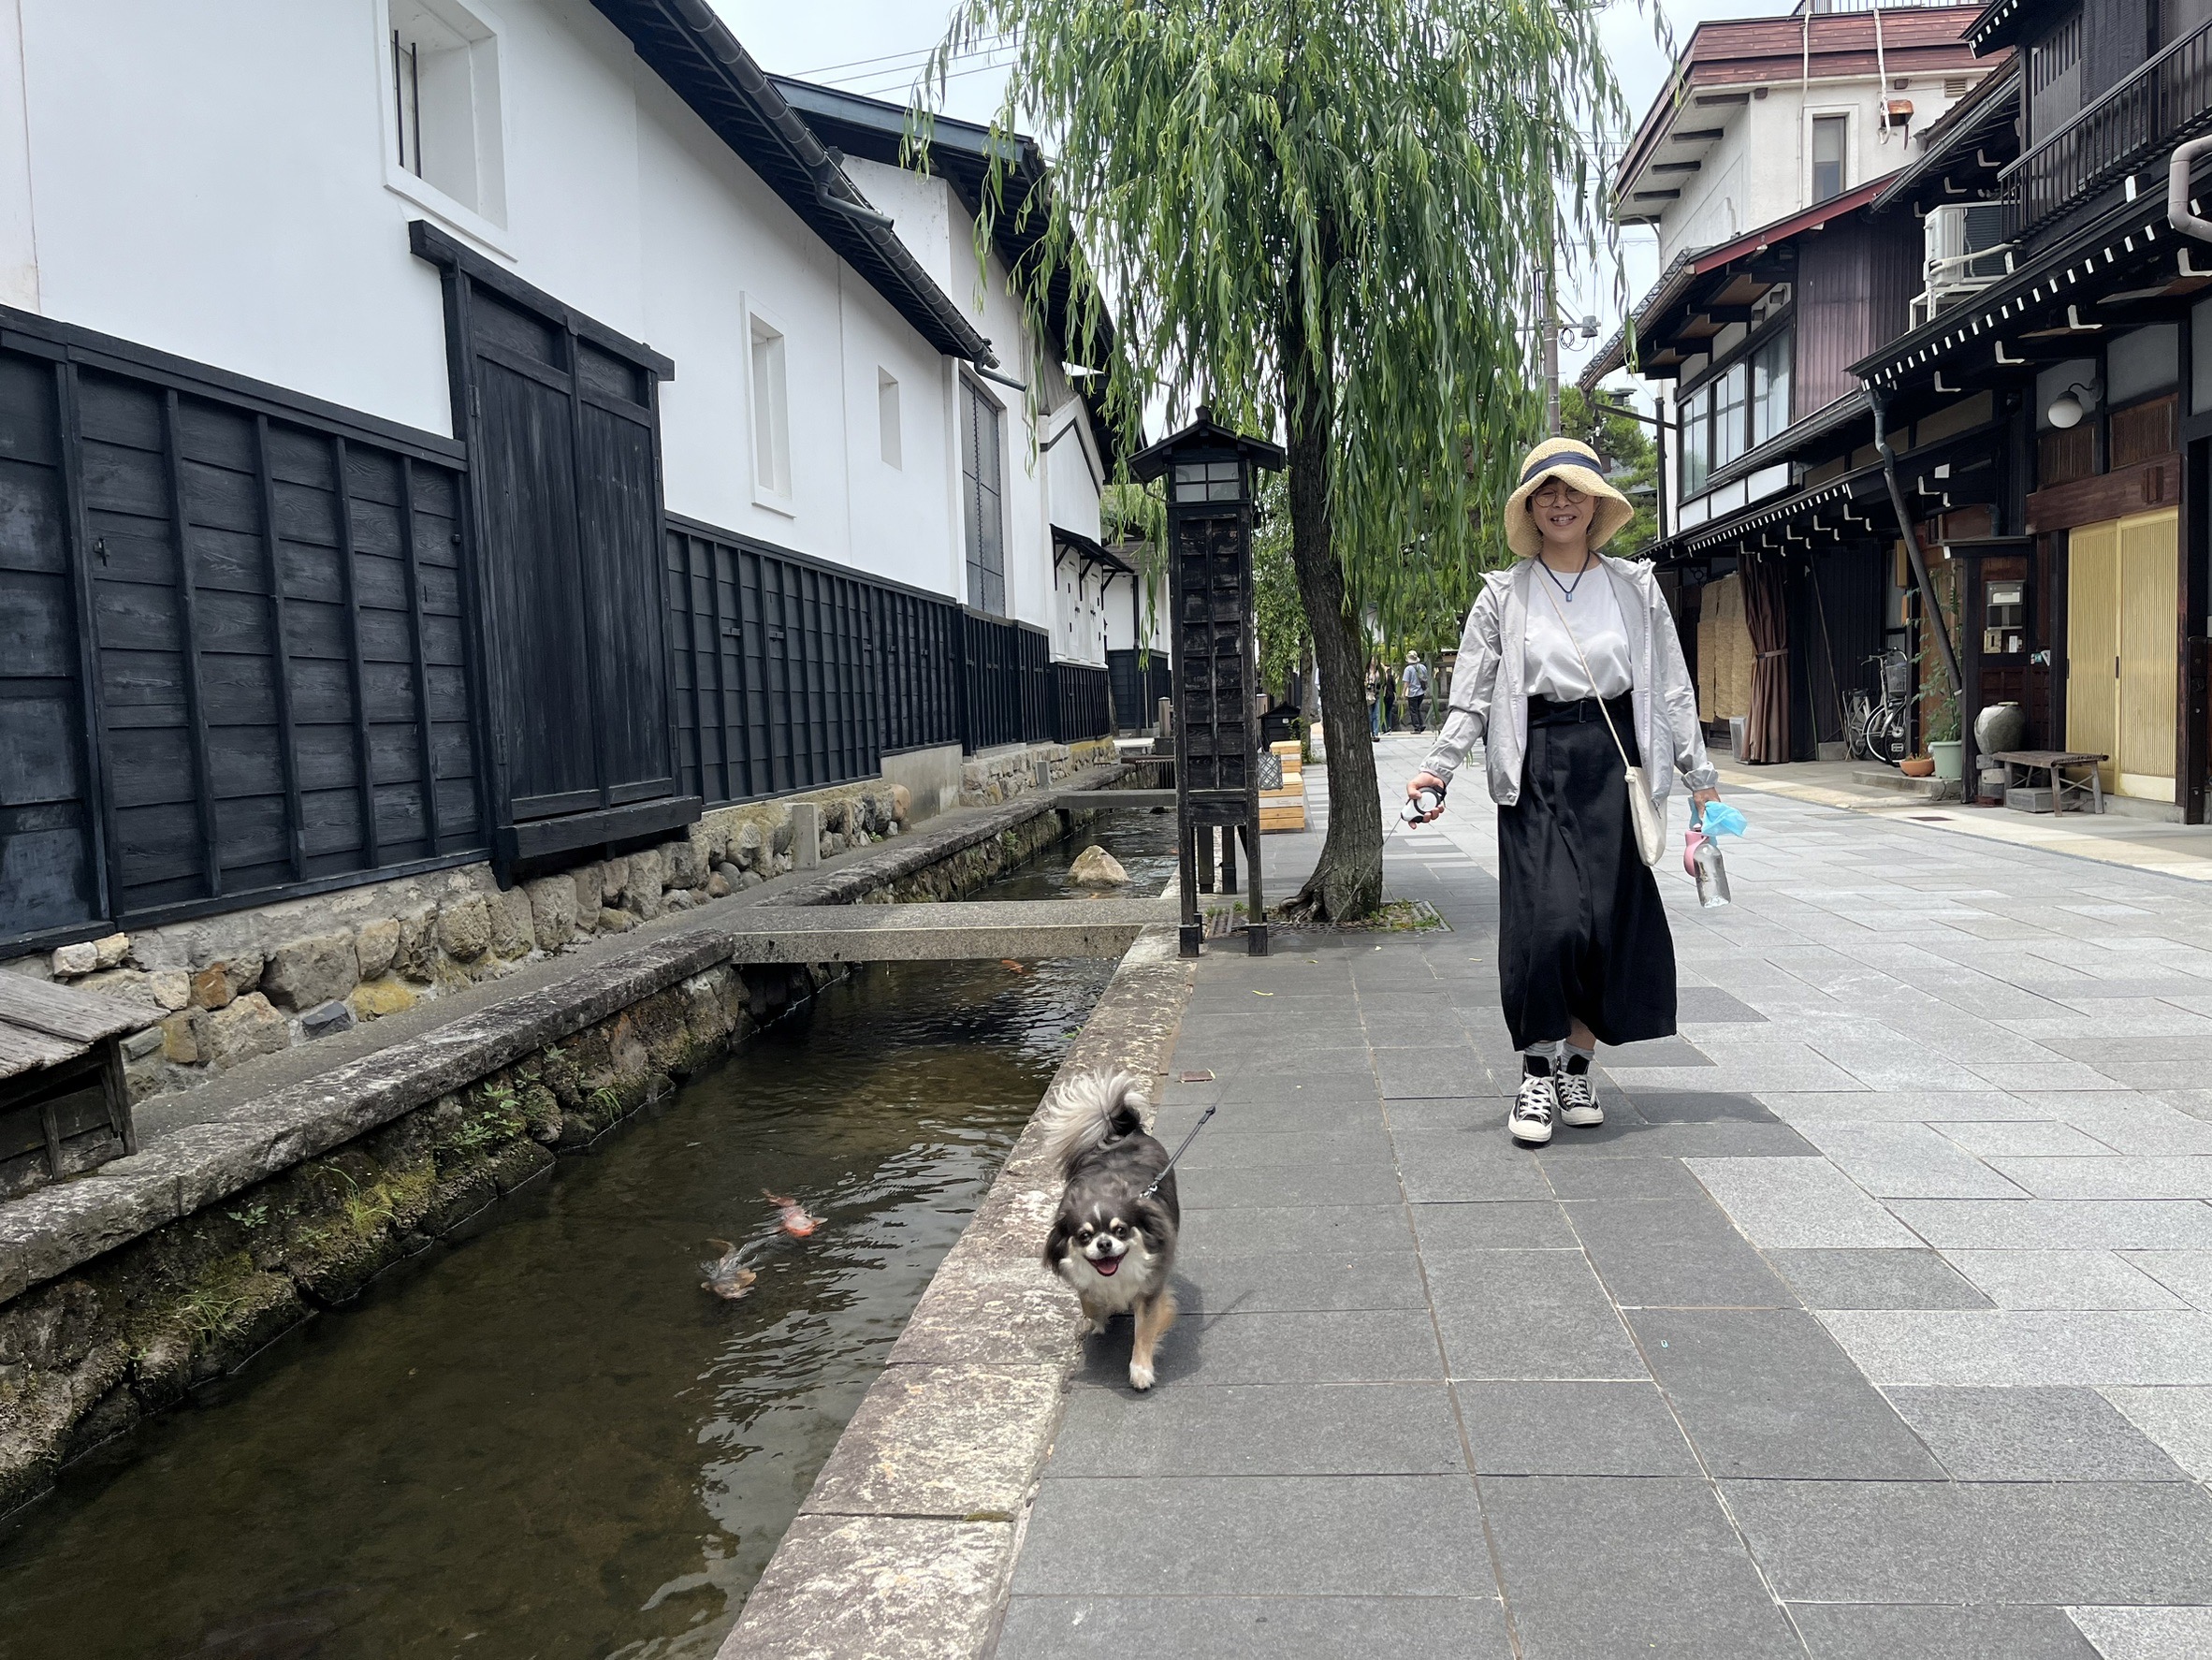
[[550, 1440]]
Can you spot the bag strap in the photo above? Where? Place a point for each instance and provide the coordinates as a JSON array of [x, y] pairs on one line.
[[1558, 611]]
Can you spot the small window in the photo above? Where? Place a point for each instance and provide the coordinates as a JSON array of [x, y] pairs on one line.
[[1697, 441], [1728, 400], [1770, 388], [981, 500], [1830, 133], [442, 99], [771, 416], [888, 434], [1208, 481]]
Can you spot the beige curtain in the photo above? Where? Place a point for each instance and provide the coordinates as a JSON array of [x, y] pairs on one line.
[[1767, 730]]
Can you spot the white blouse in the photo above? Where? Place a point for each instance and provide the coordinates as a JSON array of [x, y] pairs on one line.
[[1552, 668]]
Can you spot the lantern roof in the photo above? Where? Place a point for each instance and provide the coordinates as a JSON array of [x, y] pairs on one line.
[[1204, 434]]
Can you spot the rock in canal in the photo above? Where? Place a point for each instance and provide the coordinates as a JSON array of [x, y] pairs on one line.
[[1094, 867]]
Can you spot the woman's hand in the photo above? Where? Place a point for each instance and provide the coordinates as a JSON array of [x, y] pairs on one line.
[[1705, 797], [1425, 780]]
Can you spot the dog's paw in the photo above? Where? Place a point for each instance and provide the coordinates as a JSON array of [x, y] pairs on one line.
[[1139, 1374]]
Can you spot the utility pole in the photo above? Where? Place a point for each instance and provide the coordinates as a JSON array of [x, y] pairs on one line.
[[1549, 302]]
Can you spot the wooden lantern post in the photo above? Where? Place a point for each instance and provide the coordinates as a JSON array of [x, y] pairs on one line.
[[1210, 474]]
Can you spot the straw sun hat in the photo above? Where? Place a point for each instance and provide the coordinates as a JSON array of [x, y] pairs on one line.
[[1575, 465]]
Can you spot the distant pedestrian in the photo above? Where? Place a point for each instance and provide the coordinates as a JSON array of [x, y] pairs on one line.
[[1390, 698], [1417, 692], [1374, 700], [1558, 649]]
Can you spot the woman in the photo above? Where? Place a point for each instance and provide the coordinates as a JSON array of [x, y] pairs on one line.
[[1390, 698], [1553, 648], [1374, 702]]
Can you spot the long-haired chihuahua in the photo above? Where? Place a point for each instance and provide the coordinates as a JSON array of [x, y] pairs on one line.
[[1114, 1239]]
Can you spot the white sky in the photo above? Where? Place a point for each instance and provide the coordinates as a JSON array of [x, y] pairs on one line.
[[877, 47]]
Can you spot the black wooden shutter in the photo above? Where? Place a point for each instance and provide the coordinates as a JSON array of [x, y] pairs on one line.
[[563, 425]]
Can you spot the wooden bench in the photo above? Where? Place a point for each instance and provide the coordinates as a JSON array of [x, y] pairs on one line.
[[63, 1109], [2054, 763], [1283, 808]]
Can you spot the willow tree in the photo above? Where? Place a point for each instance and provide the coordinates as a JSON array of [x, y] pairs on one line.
[[1327, 218]]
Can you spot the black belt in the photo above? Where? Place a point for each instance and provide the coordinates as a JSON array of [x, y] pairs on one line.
[[1545, 711]]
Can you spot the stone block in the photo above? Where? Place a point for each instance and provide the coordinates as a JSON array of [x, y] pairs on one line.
[[211, 987], [373, 999], [552, 910], [70, 961], [648, 879], [249, 1027], [727, 874], [244, 973], [781, 839], [615, 922], [180, 1037], [108, 952], [745, 844], [308, 973], [590, 882], [465, 928], [902, 803], [126, 985], [331, 1018], [418, 955], [615, 878], [513, 927], [141, 1043], [686, 862], [678, 899], [805, 830], [142, 1078], [171, 987], [376, 945]]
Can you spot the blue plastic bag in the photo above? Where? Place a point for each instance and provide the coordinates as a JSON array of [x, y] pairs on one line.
[[1719, 819]]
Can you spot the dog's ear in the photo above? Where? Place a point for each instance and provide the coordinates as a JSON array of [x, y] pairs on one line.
[[1055, 1243]]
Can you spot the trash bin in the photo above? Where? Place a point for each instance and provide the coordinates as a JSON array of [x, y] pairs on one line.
[[1738, 726]]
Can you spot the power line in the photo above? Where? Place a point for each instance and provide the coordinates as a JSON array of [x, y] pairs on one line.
[[897, 84], [991, 43]]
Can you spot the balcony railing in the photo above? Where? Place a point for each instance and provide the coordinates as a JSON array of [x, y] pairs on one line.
[[2168, 99]]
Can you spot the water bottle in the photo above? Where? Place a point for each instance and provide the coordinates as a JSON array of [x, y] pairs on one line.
[[1711, 873]]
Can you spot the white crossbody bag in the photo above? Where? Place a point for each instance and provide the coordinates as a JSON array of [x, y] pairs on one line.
[[1650, 829]]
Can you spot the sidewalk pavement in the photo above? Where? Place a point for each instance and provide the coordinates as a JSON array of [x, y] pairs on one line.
[[2111, 837], [1873, 1323]]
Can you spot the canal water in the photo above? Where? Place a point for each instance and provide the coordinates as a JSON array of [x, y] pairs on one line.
[[548, 1440]]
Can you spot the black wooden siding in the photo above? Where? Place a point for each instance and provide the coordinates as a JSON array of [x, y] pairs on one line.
[[1138, 688], [791, 675], [246, 619]]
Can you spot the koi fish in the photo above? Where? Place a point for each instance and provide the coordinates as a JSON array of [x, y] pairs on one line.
[[727, 1276], [792, 1217]]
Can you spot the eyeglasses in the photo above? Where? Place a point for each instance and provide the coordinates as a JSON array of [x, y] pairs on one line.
[[1555, 494]]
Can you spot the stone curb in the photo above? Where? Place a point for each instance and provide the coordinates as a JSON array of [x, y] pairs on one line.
[[52, 1230], [904, 1548]]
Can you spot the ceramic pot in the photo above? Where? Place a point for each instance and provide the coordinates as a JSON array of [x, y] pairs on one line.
[[1917, 766], [1949, 757]]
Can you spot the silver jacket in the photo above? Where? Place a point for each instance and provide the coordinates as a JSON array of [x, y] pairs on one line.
[[1490, 697]]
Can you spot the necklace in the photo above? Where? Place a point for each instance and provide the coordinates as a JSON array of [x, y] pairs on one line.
[[1567, 588]]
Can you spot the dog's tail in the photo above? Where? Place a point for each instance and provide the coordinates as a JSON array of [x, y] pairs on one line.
[[1088, 1111]]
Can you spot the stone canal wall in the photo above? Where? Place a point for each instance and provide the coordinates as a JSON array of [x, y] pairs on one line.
[[222, 990], [121, 1289]]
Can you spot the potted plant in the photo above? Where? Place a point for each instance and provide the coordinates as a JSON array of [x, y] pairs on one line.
[[1944, 746]]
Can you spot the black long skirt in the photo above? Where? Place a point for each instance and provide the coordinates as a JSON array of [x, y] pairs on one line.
[[1582, 928]]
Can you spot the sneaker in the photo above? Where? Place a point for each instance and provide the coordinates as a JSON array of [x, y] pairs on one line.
[[1533, 1108], [1578, 1101]]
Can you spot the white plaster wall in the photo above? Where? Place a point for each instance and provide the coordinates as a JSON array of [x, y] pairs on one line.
[[209, 181], [1761, 170]]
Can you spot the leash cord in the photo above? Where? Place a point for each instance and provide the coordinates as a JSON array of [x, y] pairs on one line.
[[1178, 1153]]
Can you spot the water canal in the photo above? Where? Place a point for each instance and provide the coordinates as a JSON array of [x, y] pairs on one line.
[[548, 1441]]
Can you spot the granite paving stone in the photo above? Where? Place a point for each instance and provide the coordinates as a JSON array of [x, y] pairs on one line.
[[1251, 1627], [1875, 1631], [1876, 1278], [1573, 1429], [1644, 1567], [1767, 1393], [1968, 1542], [1875, 1322], [2032, 1435], [1799, 1205], [2062, 1279]]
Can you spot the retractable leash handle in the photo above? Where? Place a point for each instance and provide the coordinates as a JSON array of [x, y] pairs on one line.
[[1179, 1152]]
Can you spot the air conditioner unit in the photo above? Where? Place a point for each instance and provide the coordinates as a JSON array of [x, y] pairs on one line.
[[1966, 251]]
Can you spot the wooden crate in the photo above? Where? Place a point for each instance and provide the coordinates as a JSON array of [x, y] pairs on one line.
[[1285, 808]]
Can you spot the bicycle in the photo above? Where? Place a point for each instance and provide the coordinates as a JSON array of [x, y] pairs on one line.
[[1878, 730]]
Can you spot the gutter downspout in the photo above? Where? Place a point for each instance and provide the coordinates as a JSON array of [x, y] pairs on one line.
[[1928, 604], [2179, 167]]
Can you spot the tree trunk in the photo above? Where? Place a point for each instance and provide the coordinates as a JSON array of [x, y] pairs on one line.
[[1348, 883]]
